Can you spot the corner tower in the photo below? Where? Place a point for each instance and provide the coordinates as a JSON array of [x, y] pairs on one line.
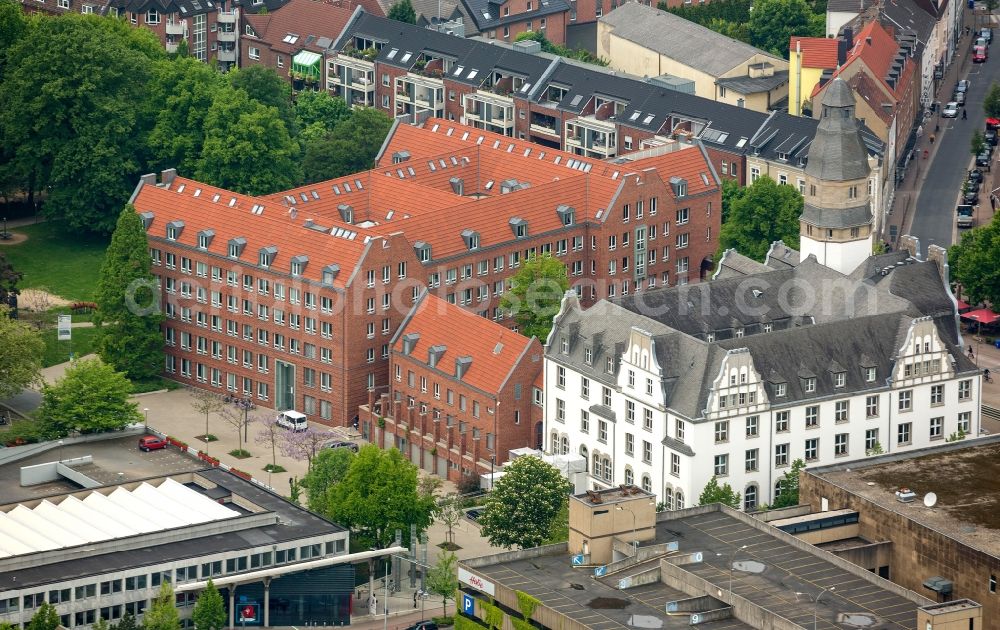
[[836, 221]]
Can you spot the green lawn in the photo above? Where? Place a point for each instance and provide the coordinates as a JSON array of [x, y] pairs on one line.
[[68, 265], [58, 351]]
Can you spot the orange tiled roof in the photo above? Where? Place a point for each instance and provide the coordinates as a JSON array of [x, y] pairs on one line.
[[495, 350], [867, 90], [303, 18], [817, 52], [877, 54], [232, 215]]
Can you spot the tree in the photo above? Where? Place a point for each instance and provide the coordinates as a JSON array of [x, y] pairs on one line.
[[351, 146], [101, 624], [72, 114], [713, 493], [559, 528], [520, 509], [162, 614], [91, 397], [579, 54], [789, 484], [266, 86], [187, 88], [772, 23], [442, 578], [182, 49], [239, 419], [304, 444], [978, 143], [247, 146], [46, 618], [449, 512], [765, 212], [328, 469], [975, 263], [13, 26], [206, 402], [128, 303], [320, 108], [536, 293], [377, 496], [127, 622], [21, 350], [403, 11], [270, 435], [209, 612], [731, 191], [991, 104]]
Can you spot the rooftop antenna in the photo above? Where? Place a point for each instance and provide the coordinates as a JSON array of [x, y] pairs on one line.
[[930, 500]]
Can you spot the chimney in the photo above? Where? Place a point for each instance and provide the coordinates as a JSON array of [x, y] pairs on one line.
[[168, 176]]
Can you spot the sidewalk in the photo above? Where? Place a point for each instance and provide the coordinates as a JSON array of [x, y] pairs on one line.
[[908, 190]]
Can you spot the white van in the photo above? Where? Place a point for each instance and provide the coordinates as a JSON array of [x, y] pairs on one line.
[[293, 420]]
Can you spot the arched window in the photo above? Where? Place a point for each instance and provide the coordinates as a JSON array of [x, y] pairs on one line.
[[679, 500], [586, 457], [597, 465], [554, 443], [629, 476], [750, 498], [777, 489], [668, 499], [647, 484], [565, 445], [607, 468]]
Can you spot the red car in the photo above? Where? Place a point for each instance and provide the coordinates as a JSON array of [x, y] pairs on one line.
[[151, 443], [979, 54]]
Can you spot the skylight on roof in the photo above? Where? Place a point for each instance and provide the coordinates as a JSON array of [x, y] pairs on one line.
[[232, 202], [473, 73], [409, 169], [525, 87], [510, 147], [496, 144], [431, 166], [435, 128], [465, 136], [180, 188], [357, 184], [458, 70], [480, 140], [406, 57], [315, 195], [576, 100], [648, 119], [392, 53], [489, 185], [527, 152], [347, 187], [215, 197], [451, 130], [635, 115], [454, 161], [558, 159], [336, 189], [741, 143], [443, 163], [197, 192], [291, 38]]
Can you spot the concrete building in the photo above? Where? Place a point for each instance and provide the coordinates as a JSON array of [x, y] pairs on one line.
[[293, 298], [671, 387], [105, 551], [709, 567], [836, 225], [948, 551], [723, 69], [459, 395]]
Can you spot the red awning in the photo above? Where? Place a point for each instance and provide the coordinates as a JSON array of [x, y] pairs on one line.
[[983, 316], [992, 122], [962, 305]]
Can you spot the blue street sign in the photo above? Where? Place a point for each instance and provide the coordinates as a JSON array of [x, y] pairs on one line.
[[468, 604], [600, 571], [578, 560], [673, 546]]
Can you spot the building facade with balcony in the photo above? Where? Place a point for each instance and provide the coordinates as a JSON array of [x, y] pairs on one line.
[[292, 298], [460, 391]]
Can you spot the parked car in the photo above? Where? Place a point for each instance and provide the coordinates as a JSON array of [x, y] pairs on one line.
[[963, 85], [340, 444], [976, 175], [990, 135], [959, 98], [950, 110], [971, 197], [979, 54], [965, 216], [983, 159], [980, 41], [987, 34], [424, 625], [151, 443], [972, 184], [293, 420]]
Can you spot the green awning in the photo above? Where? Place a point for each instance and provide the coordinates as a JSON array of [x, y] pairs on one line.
[[306, 58]]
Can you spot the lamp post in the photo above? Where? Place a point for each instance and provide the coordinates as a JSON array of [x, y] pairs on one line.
[[732, 561], [816, 601], [145, 412], [60, 451], [622, 508]]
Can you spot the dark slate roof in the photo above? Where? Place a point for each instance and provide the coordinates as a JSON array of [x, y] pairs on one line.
[[747, 85], [781, 256], [838, 152], [836, 217], [485, 14], [182, 8], [906, 15], [848, 6], [734, 264], [251, 6]]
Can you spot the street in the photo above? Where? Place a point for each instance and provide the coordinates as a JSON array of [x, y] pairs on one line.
[[933, 221]]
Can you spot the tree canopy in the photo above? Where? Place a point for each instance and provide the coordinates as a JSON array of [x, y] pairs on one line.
[[789, 484], [209, 611], [760, 214], [21, 350], [991, 104], [91, 397], [328, 469], [535, 295], [773, 23], [162, 614], [45, 618], [402, 11], [520, 509], [128, 303], [724, 494], [351, 146], [975, 263], [442, 578]]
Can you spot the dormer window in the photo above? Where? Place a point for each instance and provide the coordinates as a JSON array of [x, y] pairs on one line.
[[710, 337], [739, 333], [839, 379], [679, 186], [869, 375], [588, 356], [346, 213], [780, 390], [564, 345], [147, 219], [174, 229], [330, 274], [566, 215], [423, 251], [205, 238], [236, 246], [266, 256], [299, 265], [519, 226], [810, 384], [471, 238], [609, 366]]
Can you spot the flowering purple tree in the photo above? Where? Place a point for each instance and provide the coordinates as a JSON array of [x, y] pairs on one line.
[[304, 444], [239, 419], [270, 436]]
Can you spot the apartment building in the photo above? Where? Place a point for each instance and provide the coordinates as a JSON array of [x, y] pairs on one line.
[[460, 391], [669, 388], [293, 298]]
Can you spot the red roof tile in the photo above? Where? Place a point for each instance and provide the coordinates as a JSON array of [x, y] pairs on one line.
[[302, 18], [495, 350], [876, 47], [817, 52]]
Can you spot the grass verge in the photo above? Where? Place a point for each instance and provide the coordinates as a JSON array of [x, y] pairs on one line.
[[67, 265], [240, 453], [84, 342], [274, 468], [152, 384]]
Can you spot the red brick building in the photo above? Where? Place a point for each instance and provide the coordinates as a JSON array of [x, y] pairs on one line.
[[293, 298], [460, 391]]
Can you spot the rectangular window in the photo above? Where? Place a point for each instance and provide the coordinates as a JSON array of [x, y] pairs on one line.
[[602, 431], [903, 432], [585, 388], [629, 444], [906, 400], [937, 428], [753, 426], [781, 421], [871, 440], [937, 395], [780, 455], [812, 416], [584, 421], [675, 464], [751, 460], [647, 451], [965, 389], [812, 449], [721, 465], [840, 411], [840, 442], [721, 431], [560, 410], [871, 406], [965, 422]]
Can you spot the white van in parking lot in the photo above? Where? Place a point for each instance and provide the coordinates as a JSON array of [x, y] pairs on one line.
[[293, 420]]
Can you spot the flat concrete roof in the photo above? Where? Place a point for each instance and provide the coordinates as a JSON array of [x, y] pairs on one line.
[[964, 476], [772, 572]]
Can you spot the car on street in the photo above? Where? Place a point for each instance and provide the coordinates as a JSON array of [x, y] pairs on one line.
[[965, 216], [950, 110], [987, 34], [423, 625], [971, 197], [151, 443], [352, 446], [976, 175], [979, 54], [980, 41], [963, 85], [990, 135], [983, 159], [959, 98]]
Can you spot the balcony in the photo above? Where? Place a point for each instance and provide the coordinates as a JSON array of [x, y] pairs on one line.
[[362, 82], [171, 47], [176, 28], [226, 36], [594, 137], [544, 130], [226, 17], [227, 56]]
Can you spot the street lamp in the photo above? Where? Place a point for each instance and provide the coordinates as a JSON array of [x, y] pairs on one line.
[[732, 561], [816, 601], [60, 451], [146, 412], [622, 508]]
